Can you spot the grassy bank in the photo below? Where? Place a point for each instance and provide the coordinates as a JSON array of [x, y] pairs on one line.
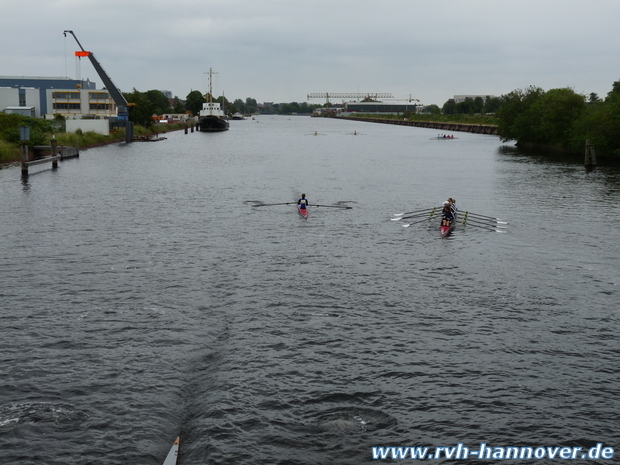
[[11, 152]]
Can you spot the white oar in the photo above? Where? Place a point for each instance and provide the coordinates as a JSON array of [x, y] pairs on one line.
[[489, 228], [483, 216], [412, 216], [496, 224], [482, 220], [416, 222], [416, 211]]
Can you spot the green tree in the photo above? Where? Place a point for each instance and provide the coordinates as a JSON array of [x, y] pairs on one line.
[[449, 108], [559, 109], [141, 109], [250, 105], [238, 103], [513, 125], [536, 117], [194, 101], [600, 124], [178, 107], [492, 104], [159, 102], [615, 89], [432, 109]]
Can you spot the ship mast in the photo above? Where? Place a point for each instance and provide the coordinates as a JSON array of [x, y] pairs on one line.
[[211, 73]]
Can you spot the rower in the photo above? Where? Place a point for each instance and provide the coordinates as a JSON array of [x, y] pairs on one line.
[[303, 202], [452, 204], [446, 214]]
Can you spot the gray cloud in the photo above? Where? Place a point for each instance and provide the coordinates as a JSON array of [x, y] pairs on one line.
[[281, 50]]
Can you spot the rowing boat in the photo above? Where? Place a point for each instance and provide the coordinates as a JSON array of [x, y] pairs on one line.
[[302, 211], [171, 458]]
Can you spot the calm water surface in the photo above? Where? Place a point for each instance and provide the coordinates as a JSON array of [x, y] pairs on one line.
[[143, 297]]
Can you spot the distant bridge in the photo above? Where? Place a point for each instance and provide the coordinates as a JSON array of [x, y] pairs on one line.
[[370, 96]]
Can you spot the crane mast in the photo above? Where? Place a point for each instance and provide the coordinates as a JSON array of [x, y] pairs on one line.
[[117, 96]]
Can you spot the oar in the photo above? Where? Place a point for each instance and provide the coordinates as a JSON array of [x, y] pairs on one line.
[[497, 224], [413, 216], [483, 216], [409, 224], [331, 206], [491, 228], [482, 220], [270, 204], [408, 213]]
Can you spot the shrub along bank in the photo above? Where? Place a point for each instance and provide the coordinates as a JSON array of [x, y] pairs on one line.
[[42, 131]]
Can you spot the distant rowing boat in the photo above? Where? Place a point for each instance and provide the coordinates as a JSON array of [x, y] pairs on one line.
[[302, 211]]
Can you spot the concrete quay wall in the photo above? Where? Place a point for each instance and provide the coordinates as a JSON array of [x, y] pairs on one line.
[[450, 127]]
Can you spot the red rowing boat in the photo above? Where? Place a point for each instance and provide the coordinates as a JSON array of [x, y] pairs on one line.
[[446, 230], [302, 211]]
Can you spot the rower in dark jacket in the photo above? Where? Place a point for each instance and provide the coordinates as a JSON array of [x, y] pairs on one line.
[[446, 214]]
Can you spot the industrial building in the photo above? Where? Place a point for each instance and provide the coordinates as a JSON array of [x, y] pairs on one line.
[[32, 91], [382, 107]]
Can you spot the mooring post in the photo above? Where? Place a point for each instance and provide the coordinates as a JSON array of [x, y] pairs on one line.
[[590, 159], [54, 154], [25, 160], [24, 137], [185, 129], [192, 128]]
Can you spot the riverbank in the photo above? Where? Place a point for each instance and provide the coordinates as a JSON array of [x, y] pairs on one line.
[[11, 153], [449, 126]]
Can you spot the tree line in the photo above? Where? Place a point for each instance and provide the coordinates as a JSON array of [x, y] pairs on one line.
[[556, 119], [143, 105], [561, 119], [471, 106]]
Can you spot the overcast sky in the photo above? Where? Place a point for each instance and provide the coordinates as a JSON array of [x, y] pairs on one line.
[[282, 50]]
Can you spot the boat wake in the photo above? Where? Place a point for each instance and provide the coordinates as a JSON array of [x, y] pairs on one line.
[[39, 412]]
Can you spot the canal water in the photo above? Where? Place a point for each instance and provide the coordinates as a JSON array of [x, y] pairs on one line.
[[144, 297]]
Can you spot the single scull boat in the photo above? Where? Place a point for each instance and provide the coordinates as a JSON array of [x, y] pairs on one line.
[[171, 459], [302, 211]]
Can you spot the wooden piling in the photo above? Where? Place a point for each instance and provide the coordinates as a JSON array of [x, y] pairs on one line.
[[590, 159], [54, 154], [24, 160], [186, 130]]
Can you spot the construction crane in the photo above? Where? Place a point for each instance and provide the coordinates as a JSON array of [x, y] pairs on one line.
[[117, 96], [369, 96]]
